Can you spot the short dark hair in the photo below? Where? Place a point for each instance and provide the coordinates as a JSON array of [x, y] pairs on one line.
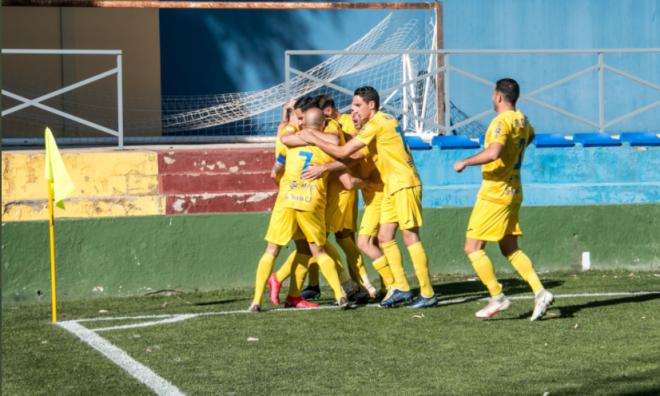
[[325, 101], [509, 88], [368, 94], [305, 103]]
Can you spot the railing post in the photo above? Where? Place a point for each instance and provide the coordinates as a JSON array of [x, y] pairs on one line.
[[404, 93], [447, 95], [120, 102], [601, 92]]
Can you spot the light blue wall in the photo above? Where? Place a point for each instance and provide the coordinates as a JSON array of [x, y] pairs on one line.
[[551, 176], [209, 52], [558, 24]]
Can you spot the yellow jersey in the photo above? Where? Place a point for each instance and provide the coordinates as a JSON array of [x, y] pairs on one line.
[[394, 162], [333, 126], [501, 182], [299, 194], [347, 125]]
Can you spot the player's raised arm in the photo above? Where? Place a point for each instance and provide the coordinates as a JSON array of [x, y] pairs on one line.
[[294, 140], [314, 171], [339, 152]]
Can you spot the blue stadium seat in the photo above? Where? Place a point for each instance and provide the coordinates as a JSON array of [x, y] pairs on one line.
[[595, 139], [454, 142], [551, 140], [482, 139], [416, 143], [641, 138]]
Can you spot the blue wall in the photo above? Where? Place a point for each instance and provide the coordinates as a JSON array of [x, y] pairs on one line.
[[209, 52], [558, 24], [551, 176]]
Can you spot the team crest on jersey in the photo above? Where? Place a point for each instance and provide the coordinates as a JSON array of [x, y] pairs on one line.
[[498, 130]]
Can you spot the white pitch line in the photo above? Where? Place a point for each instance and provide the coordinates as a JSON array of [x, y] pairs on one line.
[[136, 369], [172, 318]]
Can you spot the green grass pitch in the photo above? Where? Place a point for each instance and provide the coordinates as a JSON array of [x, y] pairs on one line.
[[600, 344]]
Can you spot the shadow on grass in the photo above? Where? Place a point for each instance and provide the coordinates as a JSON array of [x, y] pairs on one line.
[[569, 311], [511, 286], [221, 302]]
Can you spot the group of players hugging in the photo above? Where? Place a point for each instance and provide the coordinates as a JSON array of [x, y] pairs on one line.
[[323, 157]]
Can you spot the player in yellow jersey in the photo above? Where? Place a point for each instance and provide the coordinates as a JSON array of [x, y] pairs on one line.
[[291, 121], [302, 256], [495, 214], [304, 209], [401, 206], [341, 214]]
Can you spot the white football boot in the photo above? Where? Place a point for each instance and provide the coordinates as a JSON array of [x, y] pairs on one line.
[[542, 301], [495, 304]]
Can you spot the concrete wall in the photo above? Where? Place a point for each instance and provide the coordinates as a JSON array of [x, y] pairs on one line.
[[136, 255], [134, 31], [551, 176], [108, 183], [235, 179]]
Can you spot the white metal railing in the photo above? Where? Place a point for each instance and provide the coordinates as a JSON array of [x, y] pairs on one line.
[[37, 102], [443, 74]]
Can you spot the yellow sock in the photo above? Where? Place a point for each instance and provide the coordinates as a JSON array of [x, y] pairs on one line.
[[524, 266], [331, 251], [485, 271], [420, 262], [264, 268], [329, 270], [382, 267], [300, 271], [286, 268], [391, 250], [354, 261]]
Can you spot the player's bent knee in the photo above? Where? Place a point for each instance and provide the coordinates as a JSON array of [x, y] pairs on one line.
[[272, 249], [363, 243], [472, 246], [410, 237]]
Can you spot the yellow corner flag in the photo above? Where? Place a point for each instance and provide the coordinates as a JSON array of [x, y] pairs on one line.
[[56, 172], [60, 186]]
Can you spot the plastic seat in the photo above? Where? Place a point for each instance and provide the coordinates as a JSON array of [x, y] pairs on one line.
[[416, 143], [641, 138], [596, 139], [546, 140], [454, 142]]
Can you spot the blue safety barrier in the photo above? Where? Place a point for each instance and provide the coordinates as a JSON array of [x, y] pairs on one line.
[[641, 138], [546, 140], [416, 143], [453, 142], [595, 139]]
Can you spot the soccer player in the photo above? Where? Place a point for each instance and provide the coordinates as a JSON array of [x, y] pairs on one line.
[[341, 214], [401, 206], [304, 209], [495, 214], [291, 122], [362, 163], [300, 258]]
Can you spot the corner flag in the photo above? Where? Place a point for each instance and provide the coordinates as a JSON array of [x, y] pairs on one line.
[[60, 186], [56, 172]]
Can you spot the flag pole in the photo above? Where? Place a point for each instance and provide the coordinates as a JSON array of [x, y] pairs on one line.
[[51, 232]]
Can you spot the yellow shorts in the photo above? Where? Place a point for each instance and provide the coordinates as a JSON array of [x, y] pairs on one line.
[[373, 201], [286, 223], [340, 211], [403, 207], [492, 221]]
